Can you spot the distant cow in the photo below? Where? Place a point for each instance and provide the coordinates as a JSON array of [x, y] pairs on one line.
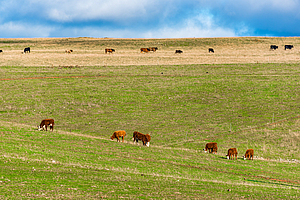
[[27, 50], [109, 50], [69, 51], [146, 50], [140, 136], [1, 51], [212, 147], [231, 153], [273, 47], [118, 134], [288, 47], [45, 123], [178, 51], [249, 154], [211, 50], [153, 48]]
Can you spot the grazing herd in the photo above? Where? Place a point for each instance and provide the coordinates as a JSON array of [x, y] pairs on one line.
[[146, 50]]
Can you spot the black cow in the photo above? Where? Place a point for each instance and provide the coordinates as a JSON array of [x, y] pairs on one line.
[[211, 50], [273, 47], [178, 51], [1, 51], [27, 50], [288, 47]]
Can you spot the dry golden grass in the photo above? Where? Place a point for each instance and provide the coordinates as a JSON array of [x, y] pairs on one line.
[[90, 51]]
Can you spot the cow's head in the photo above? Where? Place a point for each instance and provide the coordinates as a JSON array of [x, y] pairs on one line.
[[244, 157], [40, 128], [227, 156], [148, 144], [112, 137]]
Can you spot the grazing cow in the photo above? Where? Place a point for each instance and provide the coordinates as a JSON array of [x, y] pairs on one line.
[[109, 50], [211, 50], [178, 51], [231, 153], [273, 47], [146, 50], [288, 47], [212, 147], [45, 123], [27, 50], [118, 134], [140, 136], [69, 51], [153, 49], [1, 51], [249, 154]]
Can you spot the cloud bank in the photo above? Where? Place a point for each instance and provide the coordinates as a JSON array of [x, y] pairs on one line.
[[149, 19]]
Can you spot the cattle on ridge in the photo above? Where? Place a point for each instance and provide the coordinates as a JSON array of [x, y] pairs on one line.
[[288, 47], [69, 51], [109, 50], [45, 123], [153, 49], [273, 47], [1, 51], [178, 51], [249, 154], [118, 134], [211, 50], [27, 50], [212, 147], [145, 50]]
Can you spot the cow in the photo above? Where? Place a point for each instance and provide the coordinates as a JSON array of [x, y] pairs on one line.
[[212, 147], [153, 49], [109, 50], [118, 134], [1, 51], [178, 51], [211, 50], [231, 153], [45, 123], [140, 136], [69, 51], [27, 50], [249, 154], [273, 47], [288, 47], [146, 50]]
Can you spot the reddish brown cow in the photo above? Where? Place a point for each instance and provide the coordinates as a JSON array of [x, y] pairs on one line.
[[146, 50], [212, 147], [109, 50], [231, 153], [140, 136], [249, 154], [118, 134], [45, 123]]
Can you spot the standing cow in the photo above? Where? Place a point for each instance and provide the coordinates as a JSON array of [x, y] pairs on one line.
[[140, 136], [212, 147], [118, 134], [249, 154], [45, 123], [231, 153], [27, 50]]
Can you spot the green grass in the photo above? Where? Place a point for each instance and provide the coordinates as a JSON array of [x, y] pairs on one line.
[[182, 108]]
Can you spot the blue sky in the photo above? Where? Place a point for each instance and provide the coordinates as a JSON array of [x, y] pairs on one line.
[[148, 18]]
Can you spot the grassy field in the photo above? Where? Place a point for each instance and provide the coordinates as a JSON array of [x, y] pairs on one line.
[[243, 96]]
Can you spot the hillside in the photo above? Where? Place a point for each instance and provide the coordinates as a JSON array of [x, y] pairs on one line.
[[245, 98]]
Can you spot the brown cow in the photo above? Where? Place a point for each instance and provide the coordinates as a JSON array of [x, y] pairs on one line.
[[45, 123], [212, 147], [231, 153], [249, 154], [146, 50], [110, 50], [69, 51], [140, 136], [153, 49], [118, 134]]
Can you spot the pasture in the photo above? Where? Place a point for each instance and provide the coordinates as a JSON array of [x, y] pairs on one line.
[[243, 95]]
